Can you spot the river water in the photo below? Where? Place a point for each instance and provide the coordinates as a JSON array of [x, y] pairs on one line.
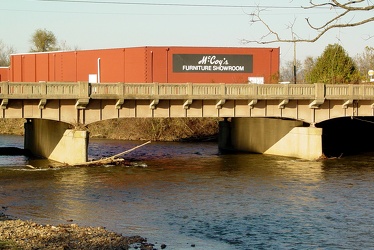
[[188, 196]]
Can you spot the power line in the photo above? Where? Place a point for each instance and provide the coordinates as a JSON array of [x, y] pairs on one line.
[[115, 13], [173, 4]]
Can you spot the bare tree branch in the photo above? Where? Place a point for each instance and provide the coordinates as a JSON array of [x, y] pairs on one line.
[[349, 7]]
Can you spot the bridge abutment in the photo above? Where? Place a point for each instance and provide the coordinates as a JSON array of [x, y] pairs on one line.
[[54, 140], [271, 136]]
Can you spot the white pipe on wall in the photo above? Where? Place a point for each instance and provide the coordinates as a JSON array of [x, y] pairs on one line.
[[98, 70]]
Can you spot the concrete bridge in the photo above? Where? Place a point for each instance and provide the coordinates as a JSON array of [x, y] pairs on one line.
[[277, 119]]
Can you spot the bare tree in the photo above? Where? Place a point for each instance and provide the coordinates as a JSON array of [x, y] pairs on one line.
[[365, 62], [287, 71], [5, 52], [63, 45], [309, 63], [346, 14]]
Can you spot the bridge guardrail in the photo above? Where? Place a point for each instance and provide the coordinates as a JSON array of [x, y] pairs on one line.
[[50, 90], [64, 90]]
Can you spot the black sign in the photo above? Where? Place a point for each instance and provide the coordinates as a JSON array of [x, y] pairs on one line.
[[212, 63]]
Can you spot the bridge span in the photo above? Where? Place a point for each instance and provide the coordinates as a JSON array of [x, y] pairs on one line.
[[295, 111], [84, 103]]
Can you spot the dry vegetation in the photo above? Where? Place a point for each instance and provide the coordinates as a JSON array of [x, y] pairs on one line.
[[12, 126], [156, 129]]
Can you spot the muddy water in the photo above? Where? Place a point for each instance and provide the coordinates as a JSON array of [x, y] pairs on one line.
[[188, 196]]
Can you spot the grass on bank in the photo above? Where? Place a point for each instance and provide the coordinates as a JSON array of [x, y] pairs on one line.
[[12, 126], [8, 245], [155, 129]]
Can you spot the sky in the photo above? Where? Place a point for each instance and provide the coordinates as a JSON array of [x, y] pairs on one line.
[[98, 24]]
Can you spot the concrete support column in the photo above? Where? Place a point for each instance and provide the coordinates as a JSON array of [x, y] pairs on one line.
[[54, 140], [300, 142], [277, 137]]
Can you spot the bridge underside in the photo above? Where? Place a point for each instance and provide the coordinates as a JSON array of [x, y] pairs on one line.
[[347, 135]]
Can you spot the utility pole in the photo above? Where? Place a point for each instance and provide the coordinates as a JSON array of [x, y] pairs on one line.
[[294, 61]]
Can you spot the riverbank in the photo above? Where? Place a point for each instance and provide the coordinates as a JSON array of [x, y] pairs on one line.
[[18, 234], [156, 129]]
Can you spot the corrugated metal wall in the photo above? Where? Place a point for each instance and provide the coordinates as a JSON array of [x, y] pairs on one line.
[[4, 74], [139, 65]]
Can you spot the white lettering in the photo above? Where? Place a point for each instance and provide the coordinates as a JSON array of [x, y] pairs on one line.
[[196, 68], [228, 68], [204, 60], [212, 60]]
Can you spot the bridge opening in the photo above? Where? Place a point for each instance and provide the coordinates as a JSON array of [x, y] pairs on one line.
[[8, 127], [156, 129], [347, 136]]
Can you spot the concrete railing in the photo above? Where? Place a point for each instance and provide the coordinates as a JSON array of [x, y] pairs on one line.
[[63, 90], [55, 90]]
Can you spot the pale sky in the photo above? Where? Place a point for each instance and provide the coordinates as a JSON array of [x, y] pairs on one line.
[[97, 24]]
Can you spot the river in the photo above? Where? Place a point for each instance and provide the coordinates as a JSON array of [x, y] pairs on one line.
[[188, 196]]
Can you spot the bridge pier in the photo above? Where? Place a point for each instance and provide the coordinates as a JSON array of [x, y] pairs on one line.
[[56, 141], [271, 136]]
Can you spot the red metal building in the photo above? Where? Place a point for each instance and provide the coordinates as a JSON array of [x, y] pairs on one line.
[[4, 74], [149, 64]]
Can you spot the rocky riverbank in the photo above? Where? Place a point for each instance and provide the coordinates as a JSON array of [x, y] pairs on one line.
[[28, 235]]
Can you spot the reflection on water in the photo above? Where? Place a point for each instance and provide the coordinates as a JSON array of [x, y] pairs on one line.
[[186, 193]]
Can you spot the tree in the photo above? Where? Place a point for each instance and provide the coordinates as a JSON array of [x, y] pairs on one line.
[[334, 66], [347, 13], [43, 40], [287, 71], [63, 46], [303, 69], [309, 63], [5, 52], [365, 62]]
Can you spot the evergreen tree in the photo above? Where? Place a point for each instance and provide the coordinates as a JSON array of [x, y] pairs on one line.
[[334, 66]]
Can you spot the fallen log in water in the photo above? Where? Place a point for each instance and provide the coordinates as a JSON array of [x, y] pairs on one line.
[[112, 159]]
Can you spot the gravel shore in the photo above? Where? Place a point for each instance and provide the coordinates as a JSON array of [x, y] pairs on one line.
[[19, 234]]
